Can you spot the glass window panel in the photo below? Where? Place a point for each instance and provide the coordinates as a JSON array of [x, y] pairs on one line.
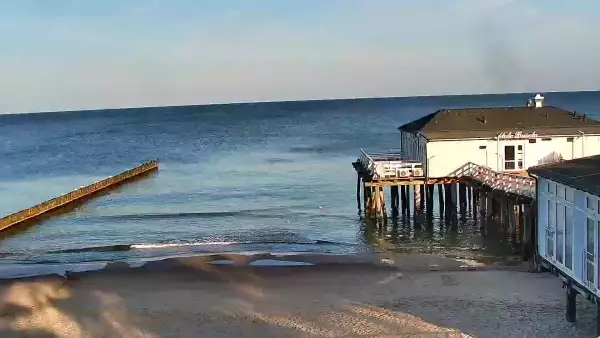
[[560, 191], [590, 236], [560, 216], [570, 194], [589, 202], [568, 238], [551, 214]]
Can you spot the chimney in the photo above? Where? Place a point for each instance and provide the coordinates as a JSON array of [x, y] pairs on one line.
[[539, 101]]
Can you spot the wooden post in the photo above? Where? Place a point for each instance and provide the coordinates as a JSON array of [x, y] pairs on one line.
[[449, 199], [503, 211], [423, 197], [441, 199], [417, 198], [489, 206], [462, 197], [368, 202], [407, 192], [358, 192], [571, 313], [377, 202], [470, 198], [395, 199], [429, 204], [403, 196], [382, 202], [453, 193], [365, 198]]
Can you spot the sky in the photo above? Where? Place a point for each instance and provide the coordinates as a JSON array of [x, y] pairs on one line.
[[72, 54]]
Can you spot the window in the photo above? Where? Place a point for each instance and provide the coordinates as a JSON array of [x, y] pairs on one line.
[[546, 139], [589, 202], [568, 238], [551, 214], [552, 187], [560, 191], [532, 140], [550, 230], [560, 217], [571, 195], [589, 254], [509, 158], [569, 139]]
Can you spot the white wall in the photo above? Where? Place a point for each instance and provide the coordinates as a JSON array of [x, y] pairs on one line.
[[447, 157], [565, 215]]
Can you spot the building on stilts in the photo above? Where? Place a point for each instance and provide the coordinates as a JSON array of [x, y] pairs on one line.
[[480, 158]]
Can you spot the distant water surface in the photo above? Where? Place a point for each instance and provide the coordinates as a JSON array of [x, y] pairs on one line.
[[273, 177]]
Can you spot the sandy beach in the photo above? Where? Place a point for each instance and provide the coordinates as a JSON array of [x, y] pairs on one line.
[[364, 296]]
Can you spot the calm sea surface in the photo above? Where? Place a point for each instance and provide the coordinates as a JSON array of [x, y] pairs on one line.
[[273, 177]]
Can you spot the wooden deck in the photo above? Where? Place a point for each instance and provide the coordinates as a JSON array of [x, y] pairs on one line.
[[395, 169]]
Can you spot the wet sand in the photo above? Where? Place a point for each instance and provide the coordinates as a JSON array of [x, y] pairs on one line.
[[363, 296]]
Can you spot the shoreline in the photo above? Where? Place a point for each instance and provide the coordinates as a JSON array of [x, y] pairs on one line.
[[251, 260], [377, 295]]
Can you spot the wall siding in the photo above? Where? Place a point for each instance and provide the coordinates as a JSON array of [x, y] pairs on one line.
[[447, 157], [413, 146], [580, 213]]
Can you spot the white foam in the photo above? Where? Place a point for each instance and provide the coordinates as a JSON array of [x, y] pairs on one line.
[[175, 245]]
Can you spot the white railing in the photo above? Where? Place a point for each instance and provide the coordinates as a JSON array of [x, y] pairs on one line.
[[390, 165], [516, 184]]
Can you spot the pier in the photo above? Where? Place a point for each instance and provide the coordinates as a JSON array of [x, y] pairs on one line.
[[34, 213], [507, 199], [532, 170]]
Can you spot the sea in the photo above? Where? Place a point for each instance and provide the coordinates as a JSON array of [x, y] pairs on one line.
[[271, 177]]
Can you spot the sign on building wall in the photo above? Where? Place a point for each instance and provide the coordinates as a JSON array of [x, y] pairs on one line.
[[517, 135]]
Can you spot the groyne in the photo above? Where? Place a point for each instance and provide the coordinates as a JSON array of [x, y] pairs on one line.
[[37, 211]]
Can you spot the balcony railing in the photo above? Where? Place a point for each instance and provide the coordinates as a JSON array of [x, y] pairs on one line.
[[390, 165]]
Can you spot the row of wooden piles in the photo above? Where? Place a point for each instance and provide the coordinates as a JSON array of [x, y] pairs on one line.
[[492, 209]]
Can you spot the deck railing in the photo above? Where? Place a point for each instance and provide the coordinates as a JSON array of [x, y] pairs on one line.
[[389, 165], [516, 184], [395, 165]]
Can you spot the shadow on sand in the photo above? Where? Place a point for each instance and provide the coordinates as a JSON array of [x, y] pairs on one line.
[[192, 298]]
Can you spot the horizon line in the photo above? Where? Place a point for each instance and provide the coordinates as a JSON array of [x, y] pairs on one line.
[[289, 101]]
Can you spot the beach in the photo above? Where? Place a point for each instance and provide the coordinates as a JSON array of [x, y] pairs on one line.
[[381, 295]]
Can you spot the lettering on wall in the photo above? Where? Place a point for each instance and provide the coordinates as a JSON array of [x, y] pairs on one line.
[[517, 135]]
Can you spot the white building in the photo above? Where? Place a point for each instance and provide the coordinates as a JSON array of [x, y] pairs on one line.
[[568, 223], [505, 139]]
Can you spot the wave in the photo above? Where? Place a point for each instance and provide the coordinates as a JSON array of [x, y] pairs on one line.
[[158, 246], [206, 214]]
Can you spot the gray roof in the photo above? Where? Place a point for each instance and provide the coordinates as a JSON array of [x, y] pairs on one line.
[[581, 173], [489, 122]]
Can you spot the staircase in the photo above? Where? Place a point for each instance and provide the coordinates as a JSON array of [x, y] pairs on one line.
[[510, 183]]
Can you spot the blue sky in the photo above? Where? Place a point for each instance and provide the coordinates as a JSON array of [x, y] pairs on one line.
[[71, 54]]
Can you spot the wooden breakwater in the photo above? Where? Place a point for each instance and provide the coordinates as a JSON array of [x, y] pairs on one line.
[[83, 193]]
